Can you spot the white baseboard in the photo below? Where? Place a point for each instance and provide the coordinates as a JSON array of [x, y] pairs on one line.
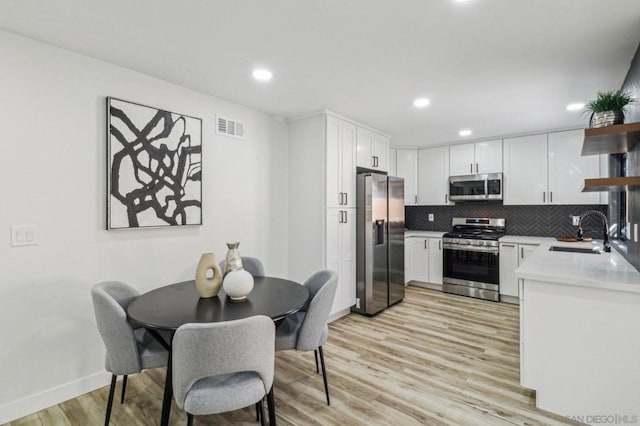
[[510, 299], [41, 400], [334, 316]]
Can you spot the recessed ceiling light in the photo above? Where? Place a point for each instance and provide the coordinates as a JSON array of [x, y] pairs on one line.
[[421, 102], [465, 132], [262, 75], [575, 107]]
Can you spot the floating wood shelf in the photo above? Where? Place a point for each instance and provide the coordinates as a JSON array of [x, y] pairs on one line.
[[611, 184], [611, 139]]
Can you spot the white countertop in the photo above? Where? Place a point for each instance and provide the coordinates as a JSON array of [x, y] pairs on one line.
[[606, 270], [424, 234], [519, 239]]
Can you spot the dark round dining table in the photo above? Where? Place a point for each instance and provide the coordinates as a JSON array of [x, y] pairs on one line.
[[167, 308]]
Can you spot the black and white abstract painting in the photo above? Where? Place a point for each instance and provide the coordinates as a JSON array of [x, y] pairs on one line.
[[155, 167]]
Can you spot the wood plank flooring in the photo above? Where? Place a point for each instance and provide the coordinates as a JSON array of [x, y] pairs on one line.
[[434, 359]]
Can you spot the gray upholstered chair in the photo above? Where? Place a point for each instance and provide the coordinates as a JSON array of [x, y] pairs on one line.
[[129, 350], [307, 329], [252, 265], [224, 366]]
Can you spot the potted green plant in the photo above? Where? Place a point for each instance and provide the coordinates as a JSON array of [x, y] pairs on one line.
[[608, 108]]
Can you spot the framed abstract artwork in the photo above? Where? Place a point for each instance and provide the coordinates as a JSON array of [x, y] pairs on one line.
[[154, 171]]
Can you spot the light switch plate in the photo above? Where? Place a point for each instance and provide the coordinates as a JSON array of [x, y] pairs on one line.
[[575, 220], [24, 235], [430, 217]]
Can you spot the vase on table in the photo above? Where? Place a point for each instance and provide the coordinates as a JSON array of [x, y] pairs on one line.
[[233, 260], [238, 283], [208, 286]]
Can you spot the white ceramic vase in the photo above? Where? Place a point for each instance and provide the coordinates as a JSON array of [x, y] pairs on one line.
[[208, 287], [238, 284]]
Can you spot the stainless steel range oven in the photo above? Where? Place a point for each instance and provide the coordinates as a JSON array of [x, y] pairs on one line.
[[472, 259]]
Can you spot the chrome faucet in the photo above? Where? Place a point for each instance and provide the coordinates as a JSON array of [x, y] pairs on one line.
[[605, 243]]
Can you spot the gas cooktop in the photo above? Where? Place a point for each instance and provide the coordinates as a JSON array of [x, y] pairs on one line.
[[477, 229]]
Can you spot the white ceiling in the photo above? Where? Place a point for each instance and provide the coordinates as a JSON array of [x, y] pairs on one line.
[[499, 67]]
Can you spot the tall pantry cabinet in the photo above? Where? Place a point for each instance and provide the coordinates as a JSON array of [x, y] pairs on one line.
[[322, 201]]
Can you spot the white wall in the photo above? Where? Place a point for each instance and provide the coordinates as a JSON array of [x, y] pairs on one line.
[[53, 175]]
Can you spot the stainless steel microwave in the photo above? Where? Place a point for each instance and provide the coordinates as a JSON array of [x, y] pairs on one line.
[[486, 186]]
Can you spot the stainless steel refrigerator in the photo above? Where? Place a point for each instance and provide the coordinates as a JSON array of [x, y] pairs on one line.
[[380, 242]]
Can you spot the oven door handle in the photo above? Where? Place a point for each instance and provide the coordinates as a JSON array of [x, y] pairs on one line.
[[476, 249]]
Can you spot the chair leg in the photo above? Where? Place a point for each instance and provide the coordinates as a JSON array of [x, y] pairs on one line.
[[260, 412], [324, 374], [315, 354], [258, 404], [112, 390], [189, 419], [272, 407], [124, 388]]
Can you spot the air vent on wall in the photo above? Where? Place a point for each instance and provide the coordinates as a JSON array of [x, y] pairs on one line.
[[228, 127]]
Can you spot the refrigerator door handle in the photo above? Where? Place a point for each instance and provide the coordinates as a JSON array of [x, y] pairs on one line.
[[380, 230]]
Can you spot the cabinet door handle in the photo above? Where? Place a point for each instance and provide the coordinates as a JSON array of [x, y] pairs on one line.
[[521, 252], [340, 198], [446, 198], [425, 244], [340, 217], [550, 196], [346, 218], [415, 199], [373, 161], [377, 162], [544, 197], [476, 167], [507, 245], [471, 167], [439, 244], [346, 198]]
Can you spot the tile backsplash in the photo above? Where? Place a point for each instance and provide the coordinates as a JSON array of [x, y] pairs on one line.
[[546, 221]]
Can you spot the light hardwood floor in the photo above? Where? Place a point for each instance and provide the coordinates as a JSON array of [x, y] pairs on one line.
[[433, 359]]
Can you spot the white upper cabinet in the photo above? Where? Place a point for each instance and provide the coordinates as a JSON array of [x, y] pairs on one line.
[[393, 155], [568, 169], [488, 156], [372, 150], [407, 168], [472, 158], [525, 170], [380, 151], [433, 176], [461, 159], [364, 146], [341, 163], [548, 169]]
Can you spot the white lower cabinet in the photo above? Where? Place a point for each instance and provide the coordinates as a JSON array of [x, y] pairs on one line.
[[423, 260], [512, 255], [341, 255], [435, 260]]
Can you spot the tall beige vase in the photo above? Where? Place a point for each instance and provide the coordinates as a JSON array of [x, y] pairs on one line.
[[208, 287]]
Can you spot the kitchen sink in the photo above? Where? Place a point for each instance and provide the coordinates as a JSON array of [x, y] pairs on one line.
[[575, 249]]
